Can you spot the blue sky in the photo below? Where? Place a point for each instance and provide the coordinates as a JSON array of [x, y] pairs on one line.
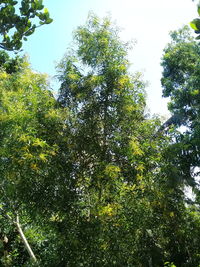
[[147, 22]]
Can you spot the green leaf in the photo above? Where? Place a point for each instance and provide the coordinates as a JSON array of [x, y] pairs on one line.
[[48, 21], [195, 24], [31, 31], [46, 11], [198, 9]]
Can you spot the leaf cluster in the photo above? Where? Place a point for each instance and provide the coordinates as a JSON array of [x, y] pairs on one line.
[[195, 24], [17, 21]]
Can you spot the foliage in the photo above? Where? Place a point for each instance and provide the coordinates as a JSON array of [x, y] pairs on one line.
[[18, 21], [181, 82], [125, 180], [10, 65], [30, 140], [91, 176], [195, 24]]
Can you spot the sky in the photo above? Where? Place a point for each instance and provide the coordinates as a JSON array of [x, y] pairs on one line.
[[144, 21]]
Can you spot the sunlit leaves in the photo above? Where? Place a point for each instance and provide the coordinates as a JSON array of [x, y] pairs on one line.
[[195, 24], [112, 171], [30, 128], [135, 147]]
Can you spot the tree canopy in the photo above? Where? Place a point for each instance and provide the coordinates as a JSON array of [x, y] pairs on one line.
[[181, 72]]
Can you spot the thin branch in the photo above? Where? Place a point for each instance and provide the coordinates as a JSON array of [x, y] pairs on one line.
[[2, 46], [175, 119], [25, 241]]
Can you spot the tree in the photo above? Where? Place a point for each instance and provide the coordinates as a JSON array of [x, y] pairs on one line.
[[181, 83], [30, 140], [115, 154], [18, 21]]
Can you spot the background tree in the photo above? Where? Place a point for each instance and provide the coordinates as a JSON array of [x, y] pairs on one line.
[[181, 82]]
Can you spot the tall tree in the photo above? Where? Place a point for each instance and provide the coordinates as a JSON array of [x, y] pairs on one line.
[[181, 80], [105, 103], [114, 152]]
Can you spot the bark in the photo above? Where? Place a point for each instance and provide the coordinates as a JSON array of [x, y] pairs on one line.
[[24, 240]]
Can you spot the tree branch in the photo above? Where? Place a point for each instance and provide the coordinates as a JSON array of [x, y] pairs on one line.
[[175, 119], [25, 241]]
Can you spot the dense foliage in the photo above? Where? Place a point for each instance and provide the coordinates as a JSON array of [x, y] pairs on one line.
[[181, 81], [30, 124], [90, 179], [181, 65], [112, 148]]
